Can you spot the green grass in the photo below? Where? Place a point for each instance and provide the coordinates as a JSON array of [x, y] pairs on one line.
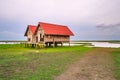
[[19, 63], [116, 57]]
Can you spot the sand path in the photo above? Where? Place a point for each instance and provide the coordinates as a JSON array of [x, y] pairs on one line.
[[94, 65]]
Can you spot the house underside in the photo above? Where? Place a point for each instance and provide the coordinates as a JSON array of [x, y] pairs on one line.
[[52, 40]]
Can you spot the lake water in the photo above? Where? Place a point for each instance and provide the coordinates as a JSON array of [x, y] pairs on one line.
[[97, 44], [9, 42], [105, 44], [94, 44]]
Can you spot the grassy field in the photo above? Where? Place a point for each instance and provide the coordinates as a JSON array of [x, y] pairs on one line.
[[116, 57], [19, 63]]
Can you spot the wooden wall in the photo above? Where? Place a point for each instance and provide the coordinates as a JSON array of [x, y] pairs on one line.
[[56, 38]]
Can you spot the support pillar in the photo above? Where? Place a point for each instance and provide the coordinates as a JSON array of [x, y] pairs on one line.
[[69, 43], [62, 44], [53, 44], [49, 44], [46, 44]]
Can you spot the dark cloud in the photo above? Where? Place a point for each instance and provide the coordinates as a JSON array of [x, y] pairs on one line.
[[111, 31], [108, 25], [109, 28]]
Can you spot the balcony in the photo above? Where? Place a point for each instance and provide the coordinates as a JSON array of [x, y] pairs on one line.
[[56, 39]]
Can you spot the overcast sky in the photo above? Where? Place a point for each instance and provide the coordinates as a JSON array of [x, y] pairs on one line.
[[88, 19]]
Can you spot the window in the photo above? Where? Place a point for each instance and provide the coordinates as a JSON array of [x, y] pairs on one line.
[[40, 35], [28, 39], [36, 39]]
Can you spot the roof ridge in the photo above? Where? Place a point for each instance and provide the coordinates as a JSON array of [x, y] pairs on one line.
[[55, 29], [53, 24]]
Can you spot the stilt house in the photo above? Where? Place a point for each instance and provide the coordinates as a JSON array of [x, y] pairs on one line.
[[48, 34]]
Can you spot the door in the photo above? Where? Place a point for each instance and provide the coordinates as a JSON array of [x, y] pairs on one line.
[[41, 37], [36, 39]]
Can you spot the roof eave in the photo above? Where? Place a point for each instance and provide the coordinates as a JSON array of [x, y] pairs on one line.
[[26, 31]]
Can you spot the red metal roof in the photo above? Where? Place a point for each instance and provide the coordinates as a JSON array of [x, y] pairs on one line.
[[55, 29], [31, 28]]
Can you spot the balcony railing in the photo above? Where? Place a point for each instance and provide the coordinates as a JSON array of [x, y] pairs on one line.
[[56, 39]]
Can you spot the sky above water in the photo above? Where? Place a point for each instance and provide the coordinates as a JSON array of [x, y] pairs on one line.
[[87, 19]]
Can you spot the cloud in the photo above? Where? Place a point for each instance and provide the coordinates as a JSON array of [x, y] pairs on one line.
[[111, 28], [10, 36], [57, 10], [108, 25], [80, 15]]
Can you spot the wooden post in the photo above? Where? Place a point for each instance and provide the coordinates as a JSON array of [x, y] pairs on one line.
[[35, 45], [46, 44], [53, 43], [69, 43], [25, 44], [49, 44], [62, 44]]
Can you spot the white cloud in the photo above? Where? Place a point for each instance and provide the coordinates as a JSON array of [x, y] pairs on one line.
[[68, 12], [7, 33], [10, 35], [83, 10]]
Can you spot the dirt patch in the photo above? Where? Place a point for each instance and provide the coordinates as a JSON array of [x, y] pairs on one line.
[[95, 65]]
